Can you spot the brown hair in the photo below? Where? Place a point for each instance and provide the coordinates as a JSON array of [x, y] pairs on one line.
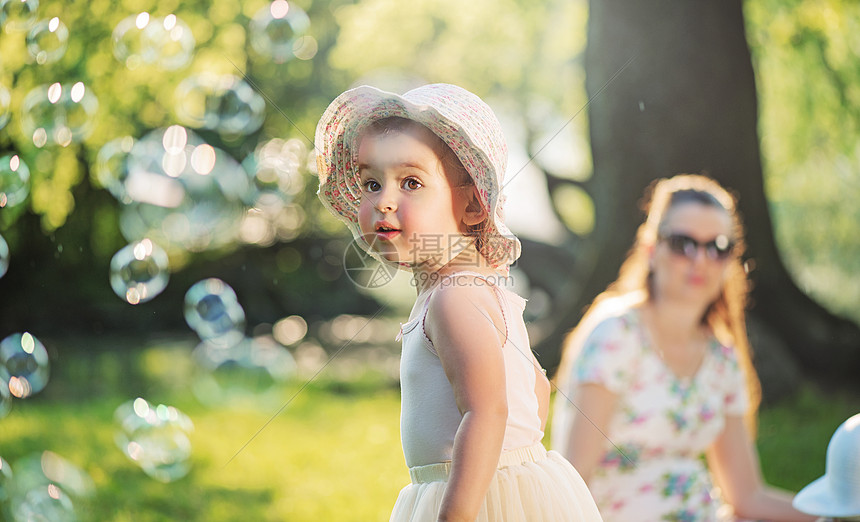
[[725, 316]]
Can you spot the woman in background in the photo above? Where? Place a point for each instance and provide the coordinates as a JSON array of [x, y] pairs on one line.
[[658, 373]]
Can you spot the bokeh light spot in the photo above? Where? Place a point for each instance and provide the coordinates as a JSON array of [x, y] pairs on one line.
[[203, 159], [142, 20], [279, 8], [54, 92]]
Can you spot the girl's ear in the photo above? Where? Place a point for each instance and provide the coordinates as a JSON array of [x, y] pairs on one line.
[[475, 212]]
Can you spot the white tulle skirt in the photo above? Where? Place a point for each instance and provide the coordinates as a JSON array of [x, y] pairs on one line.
[[531, 485]]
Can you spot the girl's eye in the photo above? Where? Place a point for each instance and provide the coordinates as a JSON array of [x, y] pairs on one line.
[[371, 185], [412, 184]]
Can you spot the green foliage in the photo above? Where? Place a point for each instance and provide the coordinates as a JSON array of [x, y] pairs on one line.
[[805, 54]]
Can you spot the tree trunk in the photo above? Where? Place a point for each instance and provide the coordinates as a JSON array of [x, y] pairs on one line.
[[686, 103]]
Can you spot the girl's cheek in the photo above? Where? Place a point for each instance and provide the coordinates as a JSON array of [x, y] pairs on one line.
[[365, 216]]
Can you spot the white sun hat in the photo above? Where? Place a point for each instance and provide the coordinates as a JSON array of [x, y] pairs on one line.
[[837, 493], [459, 118]]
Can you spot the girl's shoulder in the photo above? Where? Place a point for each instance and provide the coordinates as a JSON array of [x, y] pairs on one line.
[[464, 302]]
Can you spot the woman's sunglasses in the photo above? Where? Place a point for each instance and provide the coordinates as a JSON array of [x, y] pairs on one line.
[[719, 248]]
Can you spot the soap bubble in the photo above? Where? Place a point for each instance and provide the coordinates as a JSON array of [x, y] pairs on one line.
[[184, 193], [165, 42], [46, 502], [42, 485], [248, 371], [275, 29], [4, 256], [305, 47], [127, 37], [155, 438], [213, 311], [225, 103], [47, 40], [14, 181], [26, 361], [18, 15], [170, 42], [138, 271], [5, 106], [59, 114], [276, 167], [111, 168]]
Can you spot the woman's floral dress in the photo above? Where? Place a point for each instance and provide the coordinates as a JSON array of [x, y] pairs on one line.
[[653, 468]]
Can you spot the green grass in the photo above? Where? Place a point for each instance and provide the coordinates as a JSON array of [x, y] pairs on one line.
[[793, 435], [333, 453]]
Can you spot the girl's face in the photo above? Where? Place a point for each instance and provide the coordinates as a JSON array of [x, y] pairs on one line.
[[683, 271], [410, 212]]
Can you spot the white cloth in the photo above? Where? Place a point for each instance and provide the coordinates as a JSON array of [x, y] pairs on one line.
[[530, 484], [429, 417]]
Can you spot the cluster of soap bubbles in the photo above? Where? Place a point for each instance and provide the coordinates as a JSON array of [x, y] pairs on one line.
[[179, 193], [176, 192], [223, 103], [51, 114], [42, 486], [155, 438], [46, 39], [276, 168], [230, 366], [183, 192]]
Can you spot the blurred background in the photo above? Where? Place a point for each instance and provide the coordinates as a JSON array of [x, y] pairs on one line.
[[186, 334]]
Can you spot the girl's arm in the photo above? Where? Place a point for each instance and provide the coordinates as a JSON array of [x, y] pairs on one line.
[[586, 439], [734, 463], [467, 330]]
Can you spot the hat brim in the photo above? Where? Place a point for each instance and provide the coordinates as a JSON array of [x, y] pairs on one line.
[[817, 499], [342, 125]]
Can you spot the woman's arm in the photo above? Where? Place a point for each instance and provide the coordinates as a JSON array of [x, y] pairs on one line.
[[467, 330], [586, 439], [734, 463]]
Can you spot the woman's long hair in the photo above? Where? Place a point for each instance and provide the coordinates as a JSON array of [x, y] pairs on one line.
[[725, 316]]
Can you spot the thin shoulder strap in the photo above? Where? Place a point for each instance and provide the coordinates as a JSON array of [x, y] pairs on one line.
[[500, 298]]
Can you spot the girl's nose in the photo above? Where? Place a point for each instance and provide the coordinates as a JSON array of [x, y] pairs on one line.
[[386, 202]]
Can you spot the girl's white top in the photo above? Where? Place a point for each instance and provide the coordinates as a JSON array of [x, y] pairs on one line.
[[429, 417]]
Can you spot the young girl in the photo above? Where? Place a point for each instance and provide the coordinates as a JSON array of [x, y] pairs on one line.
[[417, 180]]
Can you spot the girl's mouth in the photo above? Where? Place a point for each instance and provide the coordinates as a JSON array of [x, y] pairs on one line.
[[386, 231]]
